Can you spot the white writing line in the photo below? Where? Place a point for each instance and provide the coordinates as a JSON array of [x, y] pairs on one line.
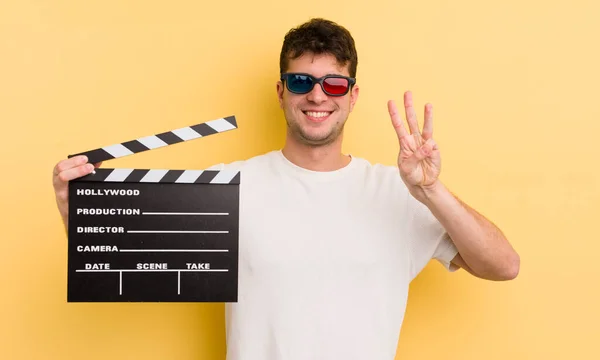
[[120, 283], [181, 213], [177, 232], [158, 270], [178, 282], [173, 250]]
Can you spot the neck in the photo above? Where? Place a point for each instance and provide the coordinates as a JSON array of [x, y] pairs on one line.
[[316, 158]]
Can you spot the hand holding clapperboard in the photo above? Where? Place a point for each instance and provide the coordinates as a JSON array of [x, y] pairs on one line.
[[154, 235]]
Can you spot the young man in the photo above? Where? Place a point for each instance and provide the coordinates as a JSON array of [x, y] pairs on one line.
[[328, 242]]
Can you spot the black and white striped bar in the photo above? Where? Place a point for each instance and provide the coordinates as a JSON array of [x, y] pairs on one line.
[[164, 176], [154, 235], [159, 140]]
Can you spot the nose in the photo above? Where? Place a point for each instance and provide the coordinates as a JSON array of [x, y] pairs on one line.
[[316, 95]]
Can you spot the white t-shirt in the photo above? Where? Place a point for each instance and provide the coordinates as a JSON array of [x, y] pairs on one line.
[[325, 260]]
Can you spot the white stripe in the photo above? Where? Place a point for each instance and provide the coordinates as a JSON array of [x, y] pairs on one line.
[[220, 125], [158, 270], [152, 142], [154, 176], [224, 177], [178, 231], [189, 176], [184, 213], [117, 150], [186, 133], [119, 175], [173, 250]]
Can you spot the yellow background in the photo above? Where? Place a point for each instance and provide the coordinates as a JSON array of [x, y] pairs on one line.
[[515, 87]]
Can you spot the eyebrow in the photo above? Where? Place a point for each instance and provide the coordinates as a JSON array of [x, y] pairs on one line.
[[328, 74]]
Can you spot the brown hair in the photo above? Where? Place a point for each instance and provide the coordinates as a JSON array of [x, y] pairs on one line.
[[319, 36]]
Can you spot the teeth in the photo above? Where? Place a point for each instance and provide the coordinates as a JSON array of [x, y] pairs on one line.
[[317, 114]]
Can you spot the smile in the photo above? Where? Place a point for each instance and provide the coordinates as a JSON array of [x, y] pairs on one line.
[[317, 116]]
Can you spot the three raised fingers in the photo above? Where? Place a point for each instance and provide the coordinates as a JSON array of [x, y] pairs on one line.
[[411, 118]]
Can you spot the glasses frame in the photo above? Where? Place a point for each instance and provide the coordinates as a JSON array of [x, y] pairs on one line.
[[316, 80]]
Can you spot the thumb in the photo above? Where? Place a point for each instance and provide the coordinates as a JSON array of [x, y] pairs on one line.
[[421, 153]]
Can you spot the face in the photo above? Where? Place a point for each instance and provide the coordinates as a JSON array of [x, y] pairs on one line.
[[315, 118]]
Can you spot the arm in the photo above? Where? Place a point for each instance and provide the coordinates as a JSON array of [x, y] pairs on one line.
[[483, 250]]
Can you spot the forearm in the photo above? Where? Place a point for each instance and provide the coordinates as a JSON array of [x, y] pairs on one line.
[[63, 210], [65, 220], [482, 246]]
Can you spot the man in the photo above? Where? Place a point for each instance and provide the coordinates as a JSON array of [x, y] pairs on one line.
[[328, 242]]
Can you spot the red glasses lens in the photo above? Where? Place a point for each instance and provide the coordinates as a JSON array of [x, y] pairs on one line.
[[335, 86]]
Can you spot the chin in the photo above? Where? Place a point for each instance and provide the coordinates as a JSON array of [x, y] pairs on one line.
[[314, 133], [319, 139]]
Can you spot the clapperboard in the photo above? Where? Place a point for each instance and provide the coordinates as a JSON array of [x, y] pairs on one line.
[[152, 235]]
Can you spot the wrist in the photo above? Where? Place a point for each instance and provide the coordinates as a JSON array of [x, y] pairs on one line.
[[429, 194]]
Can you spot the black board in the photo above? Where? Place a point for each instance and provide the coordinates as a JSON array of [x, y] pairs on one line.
[[153, 236]]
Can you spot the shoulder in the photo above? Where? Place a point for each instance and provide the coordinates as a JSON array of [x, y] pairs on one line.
[[380, 181], [383, 175], [257, 161]]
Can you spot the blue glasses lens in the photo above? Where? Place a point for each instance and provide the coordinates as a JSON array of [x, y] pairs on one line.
[[299, 83]]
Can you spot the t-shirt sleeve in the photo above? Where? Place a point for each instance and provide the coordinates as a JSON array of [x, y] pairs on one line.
[[427, 238]]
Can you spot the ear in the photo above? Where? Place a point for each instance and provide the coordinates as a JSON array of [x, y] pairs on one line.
[[353, 96], [280, 89]]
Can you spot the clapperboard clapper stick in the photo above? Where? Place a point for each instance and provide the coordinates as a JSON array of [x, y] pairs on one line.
[[154, 235]]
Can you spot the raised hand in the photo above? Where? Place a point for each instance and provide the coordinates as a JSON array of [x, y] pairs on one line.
[[419, 159]]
